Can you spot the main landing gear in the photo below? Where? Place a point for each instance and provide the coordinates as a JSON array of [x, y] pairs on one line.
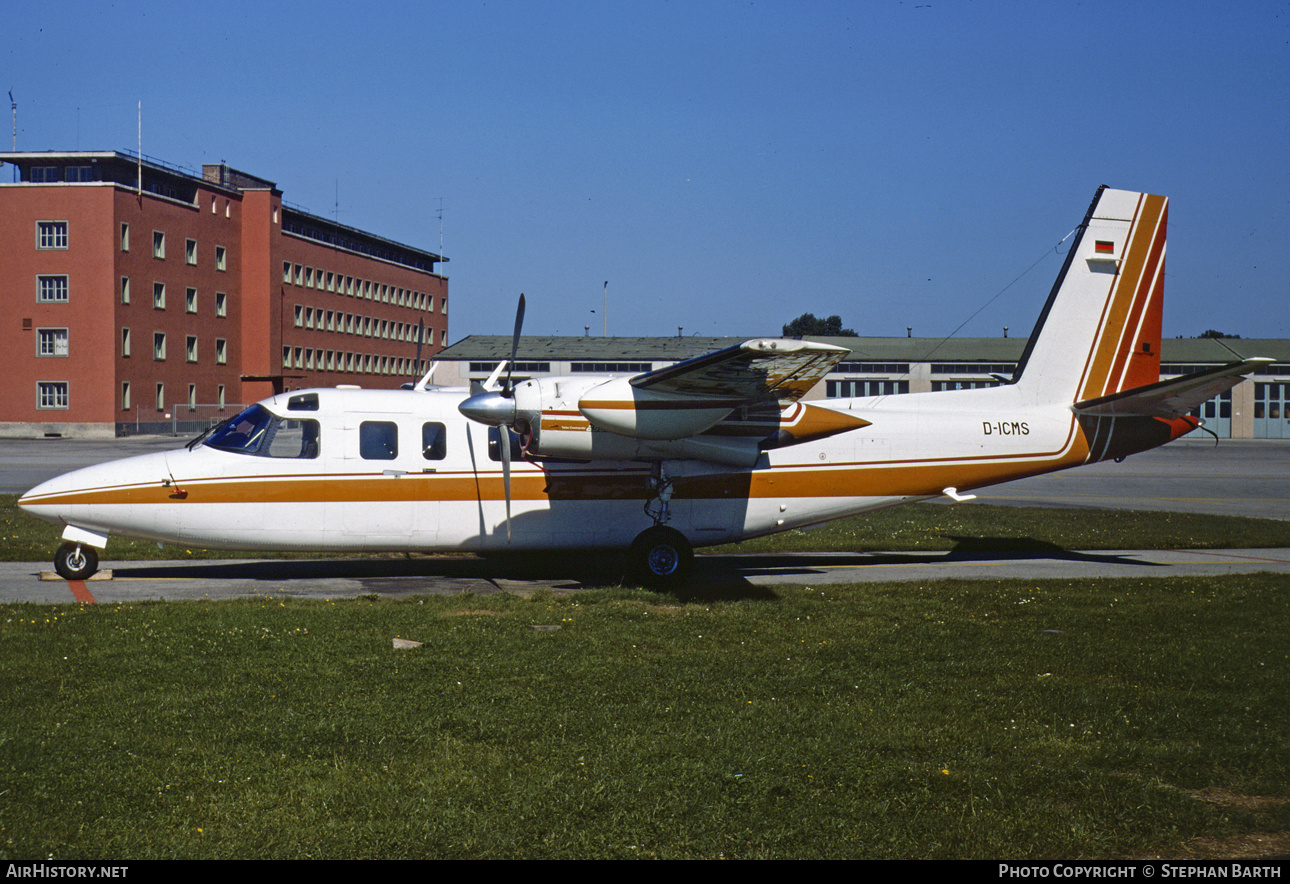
[[661, 557], [75, 561]]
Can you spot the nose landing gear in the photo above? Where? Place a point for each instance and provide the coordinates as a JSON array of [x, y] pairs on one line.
[[76, 561]]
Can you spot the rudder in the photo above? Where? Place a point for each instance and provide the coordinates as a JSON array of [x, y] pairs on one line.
[[1099, 332]]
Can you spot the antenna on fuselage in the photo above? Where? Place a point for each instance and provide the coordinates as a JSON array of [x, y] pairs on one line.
[[421, 384]]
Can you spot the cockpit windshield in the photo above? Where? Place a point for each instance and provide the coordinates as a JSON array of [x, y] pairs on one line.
[[259, 432]]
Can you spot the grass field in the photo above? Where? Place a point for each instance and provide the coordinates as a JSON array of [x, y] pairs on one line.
[[984, 719], [959, 719]]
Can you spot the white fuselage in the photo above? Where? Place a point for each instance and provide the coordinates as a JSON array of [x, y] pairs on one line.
[[452, 497]]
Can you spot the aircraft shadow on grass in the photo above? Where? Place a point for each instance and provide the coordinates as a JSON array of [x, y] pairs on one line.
[[716, 576]]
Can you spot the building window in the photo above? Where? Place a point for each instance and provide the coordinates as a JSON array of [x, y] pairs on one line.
[[125, 290], [158, 244], [299, 274], [220, 396], [190, 351], [51, 342], [190, 301], [286, 271], [190, 251], [44, 174], [221, 304], [161, 397], [51, 394], [192, 397], [51, 289], [221, 351], [286, 357], [51, 234], [125, 237], [79, 173], [221, 258], [159, 296], [159, 346], [125, 342], [300, 316], [125, 395]]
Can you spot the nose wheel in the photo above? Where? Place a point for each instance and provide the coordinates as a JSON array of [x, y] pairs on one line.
[[75, 561]]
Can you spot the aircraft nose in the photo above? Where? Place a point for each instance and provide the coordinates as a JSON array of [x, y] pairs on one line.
[[490, 408]]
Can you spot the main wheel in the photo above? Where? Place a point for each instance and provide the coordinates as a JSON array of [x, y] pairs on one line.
[[75, 561], [662, 556]]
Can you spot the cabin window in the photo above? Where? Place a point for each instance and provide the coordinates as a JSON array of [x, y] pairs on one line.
[[378, 440], [495, 448], [434, 441], [303, 402], [259, 432]]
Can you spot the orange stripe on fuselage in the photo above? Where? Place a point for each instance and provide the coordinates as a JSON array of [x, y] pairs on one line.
[[922, 477]]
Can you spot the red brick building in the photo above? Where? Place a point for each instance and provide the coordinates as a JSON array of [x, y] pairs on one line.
[[137, 295]]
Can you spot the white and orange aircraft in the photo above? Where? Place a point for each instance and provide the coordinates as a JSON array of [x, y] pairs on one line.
[[713, 449]]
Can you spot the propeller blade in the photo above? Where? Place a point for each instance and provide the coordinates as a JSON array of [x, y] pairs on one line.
[[504, 441], [515, 344], [421, 335]]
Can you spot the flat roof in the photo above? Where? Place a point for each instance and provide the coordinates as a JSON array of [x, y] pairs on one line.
[[667, 349]]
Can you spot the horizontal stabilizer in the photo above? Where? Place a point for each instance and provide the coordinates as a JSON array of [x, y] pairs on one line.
[[1174, 397]]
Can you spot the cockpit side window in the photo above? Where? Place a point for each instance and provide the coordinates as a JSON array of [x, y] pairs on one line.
[[259, 432], [294, 438]]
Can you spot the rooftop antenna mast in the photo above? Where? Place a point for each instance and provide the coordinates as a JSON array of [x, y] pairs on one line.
[[14, 105], [441, 227], [140, 157]]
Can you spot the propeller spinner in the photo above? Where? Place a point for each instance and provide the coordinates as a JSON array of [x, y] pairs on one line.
[[496, 408]]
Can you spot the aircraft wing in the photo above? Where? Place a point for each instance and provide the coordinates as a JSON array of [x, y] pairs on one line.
[[1174, 397], [766, 368]]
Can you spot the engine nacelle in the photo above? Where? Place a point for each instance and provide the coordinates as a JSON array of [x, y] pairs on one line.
[[619, 407]]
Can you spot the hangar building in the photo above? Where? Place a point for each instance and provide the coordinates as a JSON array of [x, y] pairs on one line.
[[1254, 409]]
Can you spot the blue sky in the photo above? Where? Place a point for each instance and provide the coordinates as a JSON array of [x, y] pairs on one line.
[[725, 166]]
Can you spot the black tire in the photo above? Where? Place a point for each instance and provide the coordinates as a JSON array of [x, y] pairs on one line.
[[75, 561], [662, 557]]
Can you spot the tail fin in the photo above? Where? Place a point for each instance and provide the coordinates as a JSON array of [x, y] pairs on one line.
[[1099, 332]]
